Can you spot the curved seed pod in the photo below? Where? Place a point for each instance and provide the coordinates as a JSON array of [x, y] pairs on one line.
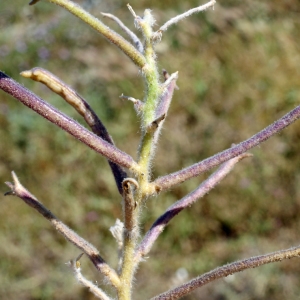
[[82, 107]]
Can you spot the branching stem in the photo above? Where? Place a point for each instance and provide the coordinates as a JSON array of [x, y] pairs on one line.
[[153, 111], [168, 181], [18, 190], [50, 113], [160, 224]]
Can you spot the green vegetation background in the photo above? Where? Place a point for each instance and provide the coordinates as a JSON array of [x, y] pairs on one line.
[[238, 72]]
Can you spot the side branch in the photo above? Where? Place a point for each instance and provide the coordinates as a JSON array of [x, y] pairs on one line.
[[99, 293], [168, 181], [178, 18], [131, 35], [111, 35], [161, 223], [18, 190], [50, 113], [228, 269]]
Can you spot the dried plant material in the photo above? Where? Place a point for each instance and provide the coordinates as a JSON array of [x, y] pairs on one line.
[[57, 86], [138, 44], [99, 293], [138, 104], [183, 16]]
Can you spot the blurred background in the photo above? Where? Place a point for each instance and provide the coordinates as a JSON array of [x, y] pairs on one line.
[[238, 72]]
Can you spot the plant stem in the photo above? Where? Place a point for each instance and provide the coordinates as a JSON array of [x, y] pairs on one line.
[[131, 215], [153, 92], [111, 35], [82, 107], [131, 35], [160, 224], [168, 181], [18, 190], [99, 293], [224, 271], [50, 113], [128, 267]]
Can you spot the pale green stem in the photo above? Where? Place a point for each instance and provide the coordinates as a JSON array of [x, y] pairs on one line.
[[128, 267], [150, 103], [151, 74], [130, 235], [145, 155], [111, 35]]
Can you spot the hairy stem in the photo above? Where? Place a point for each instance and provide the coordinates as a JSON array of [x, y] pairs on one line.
[[186, 14], [168, 181], [99, 293], [111, 35], [138, 44], [228, 269], [161, 223], [131, 232], [47, 111], [18, 190], [152, 95]]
